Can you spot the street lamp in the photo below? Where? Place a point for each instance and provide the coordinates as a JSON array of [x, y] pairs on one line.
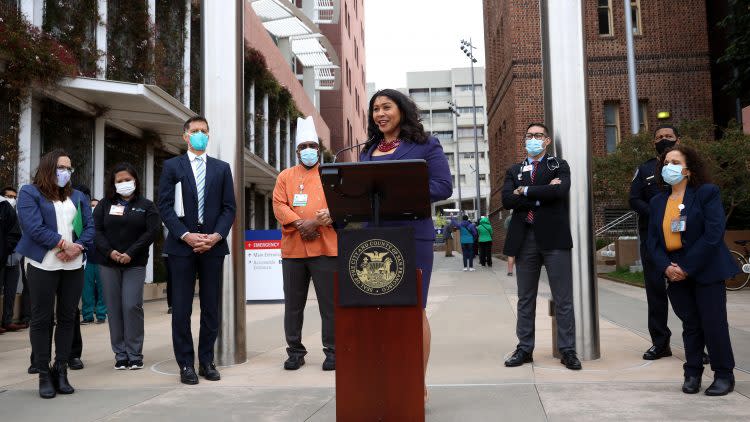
[[468, 49], [454, 110]]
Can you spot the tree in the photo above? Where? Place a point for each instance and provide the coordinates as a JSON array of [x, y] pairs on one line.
[[613, 173], [737, 53]]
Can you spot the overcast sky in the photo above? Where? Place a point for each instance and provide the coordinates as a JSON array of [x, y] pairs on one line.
[[416, 35]]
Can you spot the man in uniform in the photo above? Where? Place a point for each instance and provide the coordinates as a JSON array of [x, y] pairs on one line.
[[642, 189]]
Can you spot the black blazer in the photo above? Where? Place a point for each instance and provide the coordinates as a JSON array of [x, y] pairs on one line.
[[10, 231], [704, 255], [131, 233], [551, 222]]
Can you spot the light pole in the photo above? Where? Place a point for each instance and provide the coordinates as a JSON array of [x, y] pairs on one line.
[[457, 161], [468, 48]]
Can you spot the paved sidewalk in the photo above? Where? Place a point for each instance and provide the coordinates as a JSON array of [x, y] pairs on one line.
[[473, 324]]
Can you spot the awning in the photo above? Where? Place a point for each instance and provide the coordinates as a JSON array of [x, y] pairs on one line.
[[136, 108]]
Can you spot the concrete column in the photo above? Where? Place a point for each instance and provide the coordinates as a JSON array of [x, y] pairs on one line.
[[285, 47], [101, 40], [29, 139], [222, 100], [251, 119], [149, 192], [34, 11], [308, 83], [265, 127], [566, 110], [186, 56], [266, 213], [251, 207], [97, 187], [278, 144], [288, 141]]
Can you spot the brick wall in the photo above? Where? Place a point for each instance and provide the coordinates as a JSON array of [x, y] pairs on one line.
[[673, 74]]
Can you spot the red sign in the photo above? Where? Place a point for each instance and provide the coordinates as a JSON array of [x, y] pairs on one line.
[[263, 244]]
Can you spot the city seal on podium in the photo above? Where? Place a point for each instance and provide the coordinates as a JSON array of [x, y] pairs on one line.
[[376, 267]]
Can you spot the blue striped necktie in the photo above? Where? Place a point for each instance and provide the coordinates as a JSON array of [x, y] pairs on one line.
[[200, 182]]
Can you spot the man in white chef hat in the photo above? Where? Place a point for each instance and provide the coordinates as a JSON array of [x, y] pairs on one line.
[[308, 246]]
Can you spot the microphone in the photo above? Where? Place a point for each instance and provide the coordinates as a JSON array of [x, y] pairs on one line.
[[335, 156]]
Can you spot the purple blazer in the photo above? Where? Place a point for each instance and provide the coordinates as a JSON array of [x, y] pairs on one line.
[[440, 179]]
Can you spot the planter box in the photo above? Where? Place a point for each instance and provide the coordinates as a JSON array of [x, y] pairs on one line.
[[626, 252]]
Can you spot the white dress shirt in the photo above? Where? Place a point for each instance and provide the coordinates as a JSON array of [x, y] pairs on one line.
[[65, 212]]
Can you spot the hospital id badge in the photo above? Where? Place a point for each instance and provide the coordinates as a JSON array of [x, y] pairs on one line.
[[678, 224], [117, 210], [300, 200]]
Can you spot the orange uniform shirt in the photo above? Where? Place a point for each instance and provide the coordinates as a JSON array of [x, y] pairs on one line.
[[672, 240], [299, 180]]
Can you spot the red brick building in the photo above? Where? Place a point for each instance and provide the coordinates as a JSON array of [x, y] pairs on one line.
[[673, 74]]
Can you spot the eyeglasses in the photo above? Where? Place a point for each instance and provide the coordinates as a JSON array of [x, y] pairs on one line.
[[63, 168], [538, 136]]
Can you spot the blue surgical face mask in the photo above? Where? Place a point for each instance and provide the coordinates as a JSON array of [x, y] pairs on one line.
[[199, 141], [534, 147], [309, 156], [672, 173], [63, 177]]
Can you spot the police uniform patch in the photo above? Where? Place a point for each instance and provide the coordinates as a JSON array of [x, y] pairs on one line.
[[376, 267]]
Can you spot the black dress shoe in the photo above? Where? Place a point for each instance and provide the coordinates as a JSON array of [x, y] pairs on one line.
[[518, 358], [188, 375], [720, 387], [209, 372], [32, 369], [294, 363], [655, 353], [570, 360], [59, 374], [691, 385], [330, 363], [46, 386], [75, 364]]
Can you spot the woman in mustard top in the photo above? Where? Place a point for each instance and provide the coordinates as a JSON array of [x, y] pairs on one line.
[[686, 240]]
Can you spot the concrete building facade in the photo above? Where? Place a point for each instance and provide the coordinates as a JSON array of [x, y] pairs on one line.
[[673, 76], [432, 91]]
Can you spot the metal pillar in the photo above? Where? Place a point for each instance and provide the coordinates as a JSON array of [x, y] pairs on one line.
[[222, 103], [566, 112], [632, 87], [476, 141], [454, 110]]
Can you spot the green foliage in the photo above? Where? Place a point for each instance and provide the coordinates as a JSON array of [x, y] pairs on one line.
[[737, 53], [129, 47], [73, 23], [169, 48], [625, 276], [613, 173], [440, 220]]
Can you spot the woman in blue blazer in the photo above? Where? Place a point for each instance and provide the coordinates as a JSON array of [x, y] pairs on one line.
[[395, 133], [686, 241], [57, 230]]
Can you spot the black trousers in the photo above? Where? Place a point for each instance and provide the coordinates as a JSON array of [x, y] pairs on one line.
[[45, 288], [702, 308], [209, 270], [485, 253], [297, 273], [656, 297], [76, 349], [25, 296], [169, 281], [9, 279]]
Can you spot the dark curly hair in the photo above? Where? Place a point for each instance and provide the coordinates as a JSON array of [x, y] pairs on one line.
[[411, 128], [693, 162]]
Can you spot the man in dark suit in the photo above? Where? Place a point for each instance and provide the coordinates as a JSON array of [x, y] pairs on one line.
[[537, 192], [196, 244], [642, 189]]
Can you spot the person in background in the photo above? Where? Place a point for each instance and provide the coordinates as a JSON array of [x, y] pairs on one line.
[[126, 225], [510, 252], [468, 237], [10, 233], [485, 242], [395, 133], [686, 245], [309, 247], [57, 229], [92, 297], [448, 233]]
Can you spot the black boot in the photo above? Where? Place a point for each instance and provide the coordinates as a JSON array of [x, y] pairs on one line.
[[46, 387], [59, 374]]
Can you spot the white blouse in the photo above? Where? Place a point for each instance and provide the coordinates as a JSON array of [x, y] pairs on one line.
[[65, 212]]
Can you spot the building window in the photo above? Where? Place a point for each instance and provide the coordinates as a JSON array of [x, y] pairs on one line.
[[443, 136], [441, 93], [635, 6], [468, 131], [643, 116], [470, 110], [420, 94], [441, 115], [482, 177], [449, 157], [467, 88], [424, 116], [605, 17], [471, 155], [611, 125], [463, 179]]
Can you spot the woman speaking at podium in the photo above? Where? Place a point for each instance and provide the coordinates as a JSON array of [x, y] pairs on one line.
[[395, 133]]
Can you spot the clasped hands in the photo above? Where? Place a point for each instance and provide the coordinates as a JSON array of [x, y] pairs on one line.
[[120, 258], [308, 228], [519, 190], [69, 251], [201, 242], [675, 273]]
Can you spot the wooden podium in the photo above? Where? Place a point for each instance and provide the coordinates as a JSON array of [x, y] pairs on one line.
[[378, 326]]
